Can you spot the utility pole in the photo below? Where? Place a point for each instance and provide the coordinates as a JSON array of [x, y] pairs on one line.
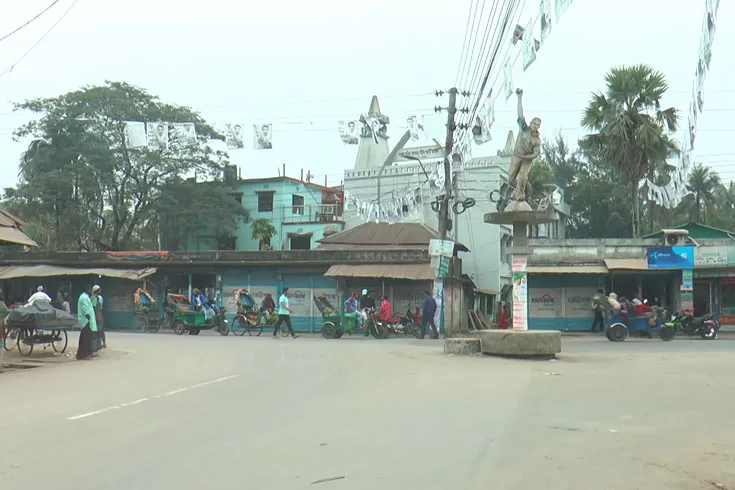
[[444, 207]]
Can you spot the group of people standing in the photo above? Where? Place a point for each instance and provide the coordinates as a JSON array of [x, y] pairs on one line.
[[354, 307], [91, 323]]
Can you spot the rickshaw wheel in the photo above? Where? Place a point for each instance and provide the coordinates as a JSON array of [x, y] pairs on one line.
[[328, 330], [139, 323], [10, 341], [617, 332], [666, 333], [179, 328], [340, 332], [155, 327], [60, 341], [25, 342], [240, 325]]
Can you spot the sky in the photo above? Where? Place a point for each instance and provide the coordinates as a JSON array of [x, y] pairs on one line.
[[302, 66]]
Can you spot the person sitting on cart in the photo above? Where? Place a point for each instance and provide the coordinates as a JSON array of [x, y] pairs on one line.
[[351, 310], [206, 306], [267, 306], [40, 296]]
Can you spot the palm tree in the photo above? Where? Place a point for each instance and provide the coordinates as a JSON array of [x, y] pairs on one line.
[[263, 231], [704, 184], [630, 129]]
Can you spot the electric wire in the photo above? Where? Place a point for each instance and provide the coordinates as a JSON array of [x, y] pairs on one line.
[[6, 36]]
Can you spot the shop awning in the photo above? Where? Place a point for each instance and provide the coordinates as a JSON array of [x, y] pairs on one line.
[[14, 235], [567, 269], [415, 272], [17, 271], [627, 264]]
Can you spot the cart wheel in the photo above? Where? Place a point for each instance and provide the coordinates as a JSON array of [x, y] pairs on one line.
[[61, 340], [617, 332], [139, 322], [25, 342], [666, 333], [155, 327], [340, 332], [10, 341], [179, 327], [328, 330]]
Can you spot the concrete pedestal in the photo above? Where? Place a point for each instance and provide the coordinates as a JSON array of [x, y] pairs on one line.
[[522, 344], [462, 346]]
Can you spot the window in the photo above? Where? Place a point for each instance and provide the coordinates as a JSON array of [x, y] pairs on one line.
[[265, 202], [238, 198], [298, 204], [302, 242]]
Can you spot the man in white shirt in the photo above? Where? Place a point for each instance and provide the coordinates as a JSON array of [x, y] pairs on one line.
[[39, 295], [284, 315]]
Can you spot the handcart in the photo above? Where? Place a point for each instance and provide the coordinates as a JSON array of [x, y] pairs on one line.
[[38, 323]]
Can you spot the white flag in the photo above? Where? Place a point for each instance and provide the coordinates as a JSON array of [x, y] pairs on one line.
[[157, 135], [545, 20], [135, 135], [529, 46], [561, 7], [507, 79]]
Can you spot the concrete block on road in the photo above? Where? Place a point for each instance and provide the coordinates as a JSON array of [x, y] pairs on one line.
[[521, 343], [462, 346]]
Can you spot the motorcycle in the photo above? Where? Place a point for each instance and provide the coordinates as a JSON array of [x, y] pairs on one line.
[[403, 325], [706, 326], [221, 323]]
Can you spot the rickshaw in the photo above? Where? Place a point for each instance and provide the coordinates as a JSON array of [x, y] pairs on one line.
[[249, 318], [181, 316], [39, 323], [332, 327], [144, 318], [618, 328]]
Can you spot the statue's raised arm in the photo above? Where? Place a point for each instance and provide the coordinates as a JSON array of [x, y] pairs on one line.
[[521, 118]]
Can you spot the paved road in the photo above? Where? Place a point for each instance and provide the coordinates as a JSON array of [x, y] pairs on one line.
[[166, 412]]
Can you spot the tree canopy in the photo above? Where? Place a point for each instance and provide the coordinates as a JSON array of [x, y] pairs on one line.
[[82, 186]]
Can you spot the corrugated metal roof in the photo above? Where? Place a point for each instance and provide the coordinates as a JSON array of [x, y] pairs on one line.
[[14, 235], [16, 271], [416, 272], [627, 264], [374, 235], [577, 269]]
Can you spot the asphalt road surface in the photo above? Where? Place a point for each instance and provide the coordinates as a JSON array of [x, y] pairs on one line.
[[164, 412]]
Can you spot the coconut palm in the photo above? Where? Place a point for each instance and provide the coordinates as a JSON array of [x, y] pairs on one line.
[[630, 130], [263, 231]]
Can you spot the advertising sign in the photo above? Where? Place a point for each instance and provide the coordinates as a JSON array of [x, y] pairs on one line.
[[578, 302], [687, 280], [545, 303], [711, 257], [299, 300], [671, 258]]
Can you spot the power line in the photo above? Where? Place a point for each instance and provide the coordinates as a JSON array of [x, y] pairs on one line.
[[467, 30], [11, 67], [30, 21]]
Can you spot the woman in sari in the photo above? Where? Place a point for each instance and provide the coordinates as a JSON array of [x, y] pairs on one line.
[[88, 327], [97, 303]]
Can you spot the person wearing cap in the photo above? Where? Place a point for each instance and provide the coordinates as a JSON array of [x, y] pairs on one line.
[[97, 303], [39, 295], [366, 300]]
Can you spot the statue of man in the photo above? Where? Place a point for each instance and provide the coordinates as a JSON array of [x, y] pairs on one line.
[[527, 149]]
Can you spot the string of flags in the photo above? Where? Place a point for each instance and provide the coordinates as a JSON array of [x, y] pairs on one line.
[[159, 135], [671, 194]]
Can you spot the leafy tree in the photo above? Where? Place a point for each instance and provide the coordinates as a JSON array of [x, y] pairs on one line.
[[263, 231], [704, 184], [631, 132], [101, 192]]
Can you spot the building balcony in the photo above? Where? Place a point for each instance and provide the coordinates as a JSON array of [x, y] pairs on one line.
[[315, 213]]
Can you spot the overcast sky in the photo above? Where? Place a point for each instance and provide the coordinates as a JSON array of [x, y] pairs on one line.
[[304, 65]]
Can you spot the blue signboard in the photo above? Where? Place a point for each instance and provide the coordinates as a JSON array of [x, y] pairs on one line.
[[671, 258]]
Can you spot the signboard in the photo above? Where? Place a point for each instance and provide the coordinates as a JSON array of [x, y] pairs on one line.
[[578, 302], [299, 300], [671, 258], [520, 293], [443, 270], [424, 153], [687, 302], [711, 257], [545, 303], [687, 280], [443, 248]]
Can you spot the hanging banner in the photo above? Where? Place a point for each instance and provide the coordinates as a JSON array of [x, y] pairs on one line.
[[263, 136], [520, 293], [349, 132], [415, 127], [235, 136], [484, 120], [561, 7], [507, 79], [545, 13], [135, 135], [184, 134], [529, 46], [157, 136]]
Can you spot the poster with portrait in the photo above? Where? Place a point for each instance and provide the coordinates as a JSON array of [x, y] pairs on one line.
[[349, 132], [157, 135], [436, 180], [183, 134], [235, 136], [135, 135], [484, 121], [263, 136], [507, 79], [415, 126], [545, 14], [529, 46]]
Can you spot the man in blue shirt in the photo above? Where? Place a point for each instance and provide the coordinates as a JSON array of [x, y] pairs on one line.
[[284, 315], [427, 316]]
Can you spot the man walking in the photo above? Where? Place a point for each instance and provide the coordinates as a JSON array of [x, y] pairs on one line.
[[284, 315], [427, 316], [97, 304], [598, 307]]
